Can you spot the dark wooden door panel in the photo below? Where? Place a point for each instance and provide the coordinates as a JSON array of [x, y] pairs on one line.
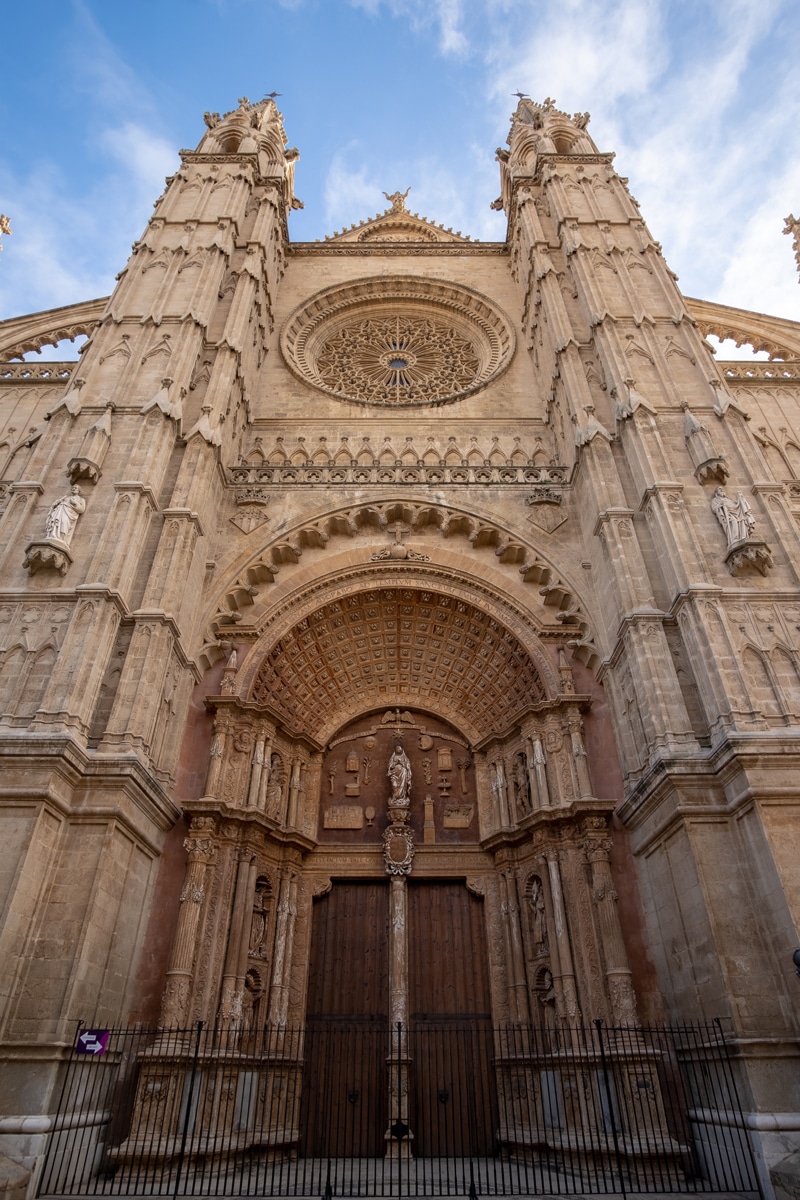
[[448, 971], [452, 1093], [349, 963], [345, 1085]]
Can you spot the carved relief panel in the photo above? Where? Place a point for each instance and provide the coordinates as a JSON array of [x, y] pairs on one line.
[[355, 785]]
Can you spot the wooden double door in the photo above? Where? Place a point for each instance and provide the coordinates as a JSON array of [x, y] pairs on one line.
[[447, 1044]]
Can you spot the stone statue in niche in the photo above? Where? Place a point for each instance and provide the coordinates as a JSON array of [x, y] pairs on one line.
[[537, 918], [250, 999], [258, 925], [399, 773], [277, 778], [63, 516], [522, 787], [735, 516]]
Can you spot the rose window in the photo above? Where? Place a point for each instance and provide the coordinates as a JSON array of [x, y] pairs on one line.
[[397, 342], [398, 360]]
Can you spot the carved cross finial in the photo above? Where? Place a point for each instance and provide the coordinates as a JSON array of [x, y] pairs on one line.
[[244, 101], [397, 200]]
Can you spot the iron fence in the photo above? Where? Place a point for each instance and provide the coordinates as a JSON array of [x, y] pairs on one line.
[[363, 1109]]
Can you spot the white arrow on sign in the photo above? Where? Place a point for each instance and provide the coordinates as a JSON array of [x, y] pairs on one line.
[[90, 1043]]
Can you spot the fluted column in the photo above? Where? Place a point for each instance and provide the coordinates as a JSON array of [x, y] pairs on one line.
[[284, 935], [540, 770], [256, 771], [230, 1004], [604, 896], [580, 760], [515, 957], [177, 989], [266, 767], [567, 970], [294, 792], [217, 754]]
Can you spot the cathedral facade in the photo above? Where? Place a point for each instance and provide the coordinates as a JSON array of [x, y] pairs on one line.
[[399, 624]]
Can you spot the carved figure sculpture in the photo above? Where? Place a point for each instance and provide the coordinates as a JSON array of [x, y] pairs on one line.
[[735, 517], [399, 773], [537, 916], [522, 787], [277, 778], [63, 516]]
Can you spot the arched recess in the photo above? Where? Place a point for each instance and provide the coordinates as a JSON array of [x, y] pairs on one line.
[[393, 635], [21, 334], [779, 337], [245, 594]]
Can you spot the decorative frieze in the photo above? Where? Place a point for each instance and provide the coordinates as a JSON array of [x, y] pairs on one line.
[[461, 474]]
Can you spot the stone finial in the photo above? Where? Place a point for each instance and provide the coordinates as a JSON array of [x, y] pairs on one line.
[[791, 225], [5, 226]]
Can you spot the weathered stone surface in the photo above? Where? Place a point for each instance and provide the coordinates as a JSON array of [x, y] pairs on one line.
[[399, 487]]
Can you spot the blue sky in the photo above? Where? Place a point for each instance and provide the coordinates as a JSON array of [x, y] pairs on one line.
[[700, 100]]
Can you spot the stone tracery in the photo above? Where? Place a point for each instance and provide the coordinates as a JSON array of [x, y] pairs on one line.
[[401, 341], [397, 360]]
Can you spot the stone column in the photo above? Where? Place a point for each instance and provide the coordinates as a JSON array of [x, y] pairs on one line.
[[177, 989], [540, 768], [533, 782], [398, 950], [217, 755], [580, 760], [266, 767], [294, 791], [398, 1147], [501, 793], [230, 1003], [566, 969], [618, 974], [255, 774], [284, 935], [515, 957]]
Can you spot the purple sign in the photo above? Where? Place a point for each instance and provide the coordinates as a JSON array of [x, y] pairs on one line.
[[92, 1041]]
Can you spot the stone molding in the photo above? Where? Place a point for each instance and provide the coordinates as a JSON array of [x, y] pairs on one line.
[[462, 475]]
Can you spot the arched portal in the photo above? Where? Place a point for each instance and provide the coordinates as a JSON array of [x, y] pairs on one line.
[[504, 785]]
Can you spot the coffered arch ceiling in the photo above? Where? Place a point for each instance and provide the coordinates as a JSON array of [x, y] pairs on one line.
[[244, 601], [407, 643]]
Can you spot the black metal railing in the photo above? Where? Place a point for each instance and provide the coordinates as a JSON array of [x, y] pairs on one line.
[[442, 1107]]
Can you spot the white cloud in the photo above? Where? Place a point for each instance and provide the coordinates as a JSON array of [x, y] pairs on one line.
[[354, 191], [447, 15], [673, 91], [145, 156]]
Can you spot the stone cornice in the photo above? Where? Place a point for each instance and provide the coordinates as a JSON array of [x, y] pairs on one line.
[[395, 250]]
